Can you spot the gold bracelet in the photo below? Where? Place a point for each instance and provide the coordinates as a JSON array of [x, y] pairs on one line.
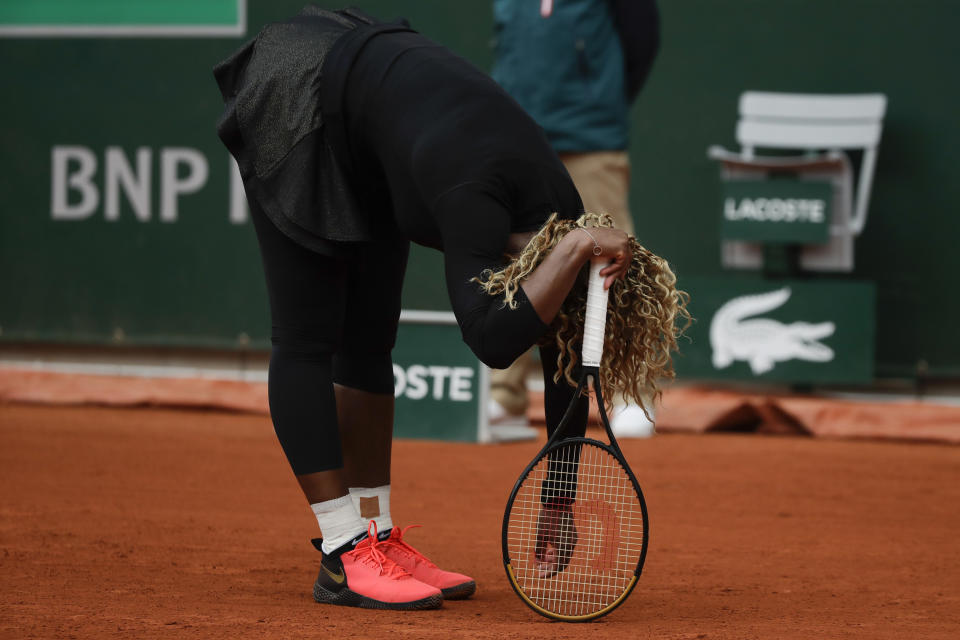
[[596, 245]]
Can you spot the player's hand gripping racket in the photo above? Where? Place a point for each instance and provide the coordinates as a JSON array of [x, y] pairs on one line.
[[575, 527]]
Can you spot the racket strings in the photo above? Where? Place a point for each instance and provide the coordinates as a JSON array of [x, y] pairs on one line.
[[605, 520]]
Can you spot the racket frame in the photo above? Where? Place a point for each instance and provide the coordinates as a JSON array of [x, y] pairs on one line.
[[555, 441]]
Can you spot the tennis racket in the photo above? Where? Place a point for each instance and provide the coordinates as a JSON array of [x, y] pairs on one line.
[[575, 529]]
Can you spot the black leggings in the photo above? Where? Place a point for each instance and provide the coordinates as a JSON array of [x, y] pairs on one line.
[[334, 320]]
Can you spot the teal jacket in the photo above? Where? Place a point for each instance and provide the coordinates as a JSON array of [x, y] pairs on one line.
[[576, 70]]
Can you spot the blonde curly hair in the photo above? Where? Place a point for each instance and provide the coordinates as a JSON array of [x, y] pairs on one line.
[[646, 314]]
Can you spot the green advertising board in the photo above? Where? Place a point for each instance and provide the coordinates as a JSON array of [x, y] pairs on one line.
[[437, 382], [65, 18], [793, 331], [123, 222], [441, 388], [776, 211]]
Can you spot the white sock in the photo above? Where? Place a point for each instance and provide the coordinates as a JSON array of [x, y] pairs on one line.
[[373, 504], [339, 522]]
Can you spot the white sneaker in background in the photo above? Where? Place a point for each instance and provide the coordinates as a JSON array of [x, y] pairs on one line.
[[498, 416], [631, 422]]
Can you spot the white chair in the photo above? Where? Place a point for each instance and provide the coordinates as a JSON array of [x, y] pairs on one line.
[[822, 126]]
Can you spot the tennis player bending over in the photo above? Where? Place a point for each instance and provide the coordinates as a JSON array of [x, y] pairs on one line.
[[354, 138]]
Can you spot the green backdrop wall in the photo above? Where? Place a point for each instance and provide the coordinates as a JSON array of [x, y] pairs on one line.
[[175, 270]]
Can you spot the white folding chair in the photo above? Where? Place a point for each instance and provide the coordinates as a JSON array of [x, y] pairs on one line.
[[822, 126]]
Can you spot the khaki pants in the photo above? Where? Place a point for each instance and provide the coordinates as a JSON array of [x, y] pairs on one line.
[[603, 180]]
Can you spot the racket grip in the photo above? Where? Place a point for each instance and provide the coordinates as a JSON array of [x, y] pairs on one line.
[[596, 315]]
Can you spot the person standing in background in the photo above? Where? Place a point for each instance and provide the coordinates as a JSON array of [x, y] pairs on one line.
[[576, 66]]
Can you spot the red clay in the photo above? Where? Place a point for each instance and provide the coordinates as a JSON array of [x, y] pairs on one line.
[[137, 523], [684, 408]]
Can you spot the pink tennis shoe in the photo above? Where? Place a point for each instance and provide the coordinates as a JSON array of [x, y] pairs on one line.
[[454, 586], [360, 574]]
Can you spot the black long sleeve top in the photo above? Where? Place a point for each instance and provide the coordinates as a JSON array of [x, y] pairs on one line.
[[459, 166]]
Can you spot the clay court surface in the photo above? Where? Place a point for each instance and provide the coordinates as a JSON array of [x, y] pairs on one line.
[[145, 523]]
